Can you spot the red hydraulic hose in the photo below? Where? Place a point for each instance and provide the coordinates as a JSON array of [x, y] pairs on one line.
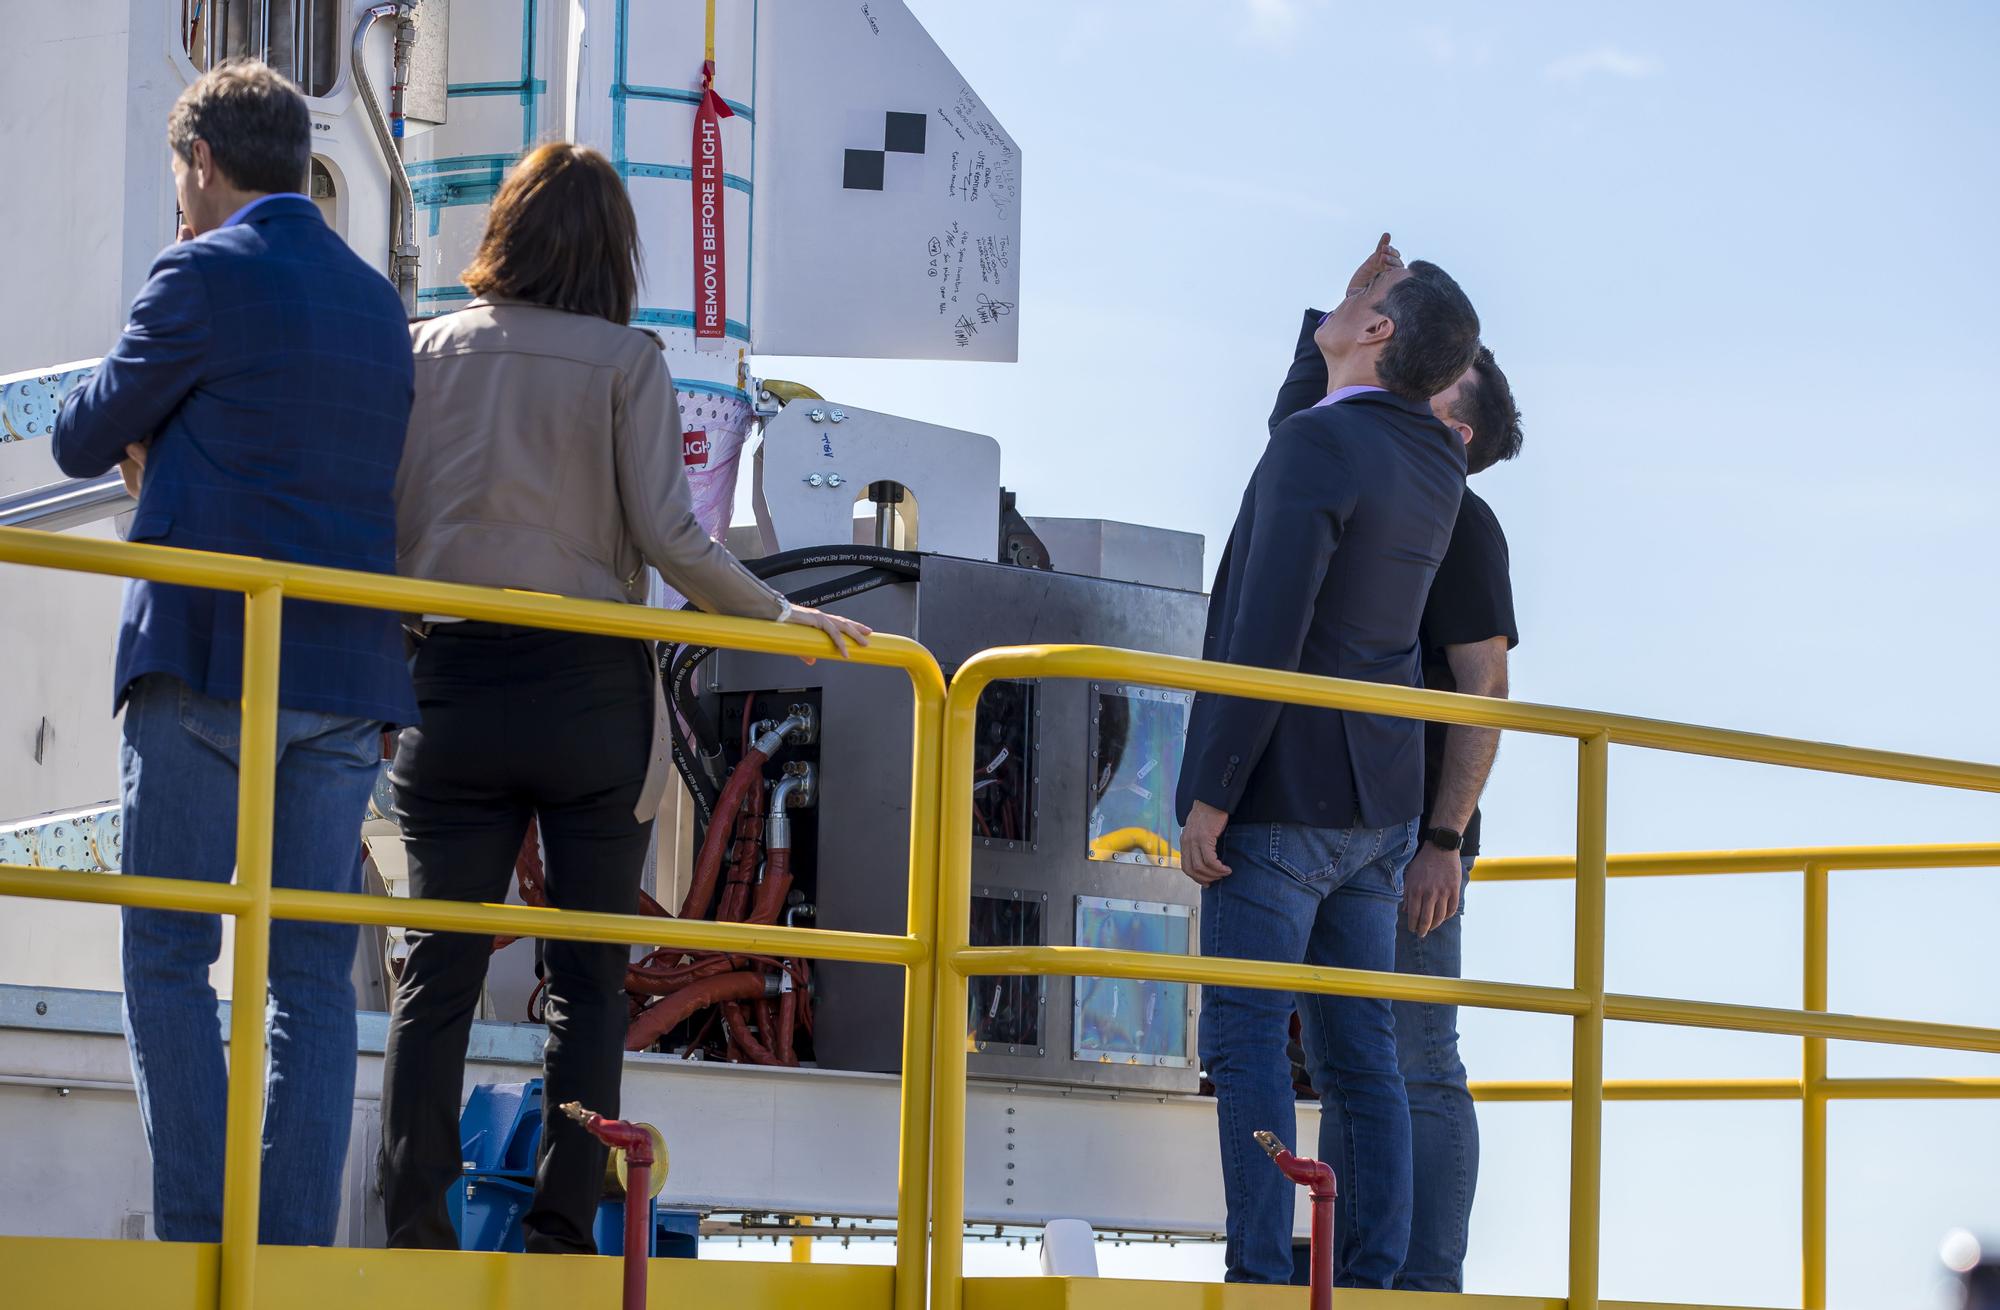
[[776, 886], [802, 984], [738, 1023], [637, 1144], [668, 1014], [736, 893], [645, 980], [665, 982], [528, 876], [788, 1023], [708, 868], [763, 1032], [736, 906], [1319, 1177], [781, 1022]]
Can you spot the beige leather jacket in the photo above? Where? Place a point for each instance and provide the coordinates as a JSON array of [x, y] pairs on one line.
[[544, 454]]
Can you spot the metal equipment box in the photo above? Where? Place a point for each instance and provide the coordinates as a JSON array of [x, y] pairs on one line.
[[1074, 807]]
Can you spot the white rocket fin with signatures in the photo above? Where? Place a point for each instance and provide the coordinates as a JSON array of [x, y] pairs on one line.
[[888, 197]]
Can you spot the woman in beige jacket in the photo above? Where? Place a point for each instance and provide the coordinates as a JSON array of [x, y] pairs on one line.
[[544, 453]]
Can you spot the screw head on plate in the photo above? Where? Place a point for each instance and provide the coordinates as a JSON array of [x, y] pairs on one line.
[[817, 415]]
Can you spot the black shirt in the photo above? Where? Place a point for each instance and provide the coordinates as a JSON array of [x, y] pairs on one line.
[[1471, 601]]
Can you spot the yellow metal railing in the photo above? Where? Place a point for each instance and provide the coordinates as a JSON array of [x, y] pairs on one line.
[[254, 903], [1585, 1000], [935, 950], [1813, 1088]]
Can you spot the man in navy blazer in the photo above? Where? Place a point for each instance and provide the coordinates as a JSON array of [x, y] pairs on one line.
[[1298, 821], [256, 403]]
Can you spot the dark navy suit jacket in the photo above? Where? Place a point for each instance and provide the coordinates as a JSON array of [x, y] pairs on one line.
[[270, 369], [1326, 571]]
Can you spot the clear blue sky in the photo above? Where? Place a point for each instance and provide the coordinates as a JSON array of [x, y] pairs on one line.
[[1739, 261]]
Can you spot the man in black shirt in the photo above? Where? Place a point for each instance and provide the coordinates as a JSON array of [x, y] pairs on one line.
[[1467, 630]]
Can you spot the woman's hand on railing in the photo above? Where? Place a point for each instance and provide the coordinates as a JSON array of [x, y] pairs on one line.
[[841, 630]]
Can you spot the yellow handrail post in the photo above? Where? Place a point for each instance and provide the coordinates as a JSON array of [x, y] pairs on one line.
[[1812, 1143], [953, 934], [256, 770], [913, 1159], [1586, 1118]]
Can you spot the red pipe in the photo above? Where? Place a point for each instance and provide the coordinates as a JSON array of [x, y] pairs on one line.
[[1318, 1176], [638, 1242], [637, 1144]]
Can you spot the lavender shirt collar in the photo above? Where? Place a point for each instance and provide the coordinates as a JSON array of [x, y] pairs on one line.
[[1339, 394]]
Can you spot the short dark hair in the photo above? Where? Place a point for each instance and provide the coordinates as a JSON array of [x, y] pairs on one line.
[[1437, 333], [561, 233], [255, 121], [1486, 405]]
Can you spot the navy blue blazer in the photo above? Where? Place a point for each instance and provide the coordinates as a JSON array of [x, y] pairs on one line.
[[1342, 528], [269, 366]]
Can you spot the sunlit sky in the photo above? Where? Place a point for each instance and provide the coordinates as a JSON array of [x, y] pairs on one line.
[[1739, 261]]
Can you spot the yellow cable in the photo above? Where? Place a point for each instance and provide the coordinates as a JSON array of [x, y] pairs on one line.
[[1120, 840], [790, 391], [708, 45]]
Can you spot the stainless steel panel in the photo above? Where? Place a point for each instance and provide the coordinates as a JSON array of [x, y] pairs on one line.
[[962, 607], [424, 97], [1105, 548]]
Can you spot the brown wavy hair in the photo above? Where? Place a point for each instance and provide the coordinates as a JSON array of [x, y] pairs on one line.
[[561, 233]]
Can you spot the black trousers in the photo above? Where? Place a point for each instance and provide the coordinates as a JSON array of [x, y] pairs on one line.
[[516, 722]]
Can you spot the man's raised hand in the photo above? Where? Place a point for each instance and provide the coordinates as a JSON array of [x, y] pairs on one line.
[[1379, 261]]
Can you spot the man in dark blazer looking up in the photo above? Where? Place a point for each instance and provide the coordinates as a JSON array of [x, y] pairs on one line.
[[1297, 822], [1467, 629], [256, 403]]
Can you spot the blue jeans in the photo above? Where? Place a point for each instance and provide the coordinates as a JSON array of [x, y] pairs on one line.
[[1325, 896], [179, 792], [1444, 1131]]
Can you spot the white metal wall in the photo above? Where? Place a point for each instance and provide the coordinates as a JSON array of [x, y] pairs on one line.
[[738, 1138]]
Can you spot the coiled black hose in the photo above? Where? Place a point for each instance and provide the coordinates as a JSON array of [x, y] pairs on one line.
[[697, 750]]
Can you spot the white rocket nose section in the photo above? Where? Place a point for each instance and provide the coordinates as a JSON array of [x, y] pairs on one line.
[[888, 195]]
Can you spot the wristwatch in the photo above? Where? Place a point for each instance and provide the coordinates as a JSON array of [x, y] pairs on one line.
[[1445, 839]]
